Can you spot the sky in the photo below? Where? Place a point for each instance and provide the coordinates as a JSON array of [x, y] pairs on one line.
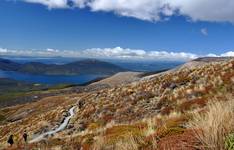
[[136, 29]]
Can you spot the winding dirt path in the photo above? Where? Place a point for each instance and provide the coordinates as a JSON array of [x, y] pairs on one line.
[[60, 128]]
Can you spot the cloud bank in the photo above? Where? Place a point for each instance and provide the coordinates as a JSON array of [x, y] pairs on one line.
[[153, 10], [111, 53]]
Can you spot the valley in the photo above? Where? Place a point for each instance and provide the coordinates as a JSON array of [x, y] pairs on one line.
[[19, 87]]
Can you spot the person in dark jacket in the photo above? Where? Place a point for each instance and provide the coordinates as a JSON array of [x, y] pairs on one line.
[[10, 140], [25, 136]]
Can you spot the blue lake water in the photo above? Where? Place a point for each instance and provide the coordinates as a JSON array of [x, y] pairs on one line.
[[144, 66], [49, 79]]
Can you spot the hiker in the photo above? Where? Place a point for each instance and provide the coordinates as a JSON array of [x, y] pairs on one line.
[[81, 103], [25, 136], [10, 140]]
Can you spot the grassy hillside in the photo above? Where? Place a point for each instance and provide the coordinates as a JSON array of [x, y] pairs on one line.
[[14, 92], [188, 108], [10, 85]]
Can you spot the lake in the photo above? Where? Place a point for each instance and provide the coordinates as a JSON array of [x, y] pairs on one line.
[[49, 79], [142, 66]]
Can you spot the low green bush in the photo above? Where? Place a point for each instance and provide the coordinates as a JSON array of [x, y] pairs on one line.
[[229, 142]]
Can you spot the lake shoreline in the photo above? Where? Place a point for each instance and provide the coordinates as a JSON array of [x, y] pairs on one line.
[[50, 79]]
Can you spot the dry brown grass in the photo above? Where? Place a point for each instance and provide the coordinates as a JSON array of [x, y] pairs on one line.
[[129, 142], [127, 137], [215, 124]]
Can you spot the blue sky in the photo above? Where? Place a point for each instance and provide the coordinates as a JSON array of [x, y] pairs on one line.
[[32, 25]]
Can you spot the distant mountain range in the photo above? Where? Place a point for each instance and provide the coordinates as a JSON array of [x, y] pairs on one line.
[[87, 66]]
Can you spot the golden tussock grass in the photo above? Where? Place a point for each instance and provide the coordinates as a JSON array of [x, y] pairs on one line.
[[215, 124]]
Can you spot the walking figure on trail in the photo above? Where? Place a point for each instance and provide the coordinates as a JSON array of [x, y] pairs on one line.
[[25, 136], [81, 103], [10, 140]]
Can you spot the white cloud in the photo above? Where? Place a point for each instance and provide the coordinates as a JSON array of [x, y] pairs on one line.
[[212, 55], [206, 10], [230, 53], [117, 52], [51, 3], [112, 53], [52, 50], [204, 31], [2, 50], [154, 10]]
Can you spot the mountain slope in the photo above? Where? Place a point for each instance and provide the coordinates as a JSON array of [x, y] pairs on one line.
[[147, 114], [8, 65], [93, 66], [119, 79], [88, 66]]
